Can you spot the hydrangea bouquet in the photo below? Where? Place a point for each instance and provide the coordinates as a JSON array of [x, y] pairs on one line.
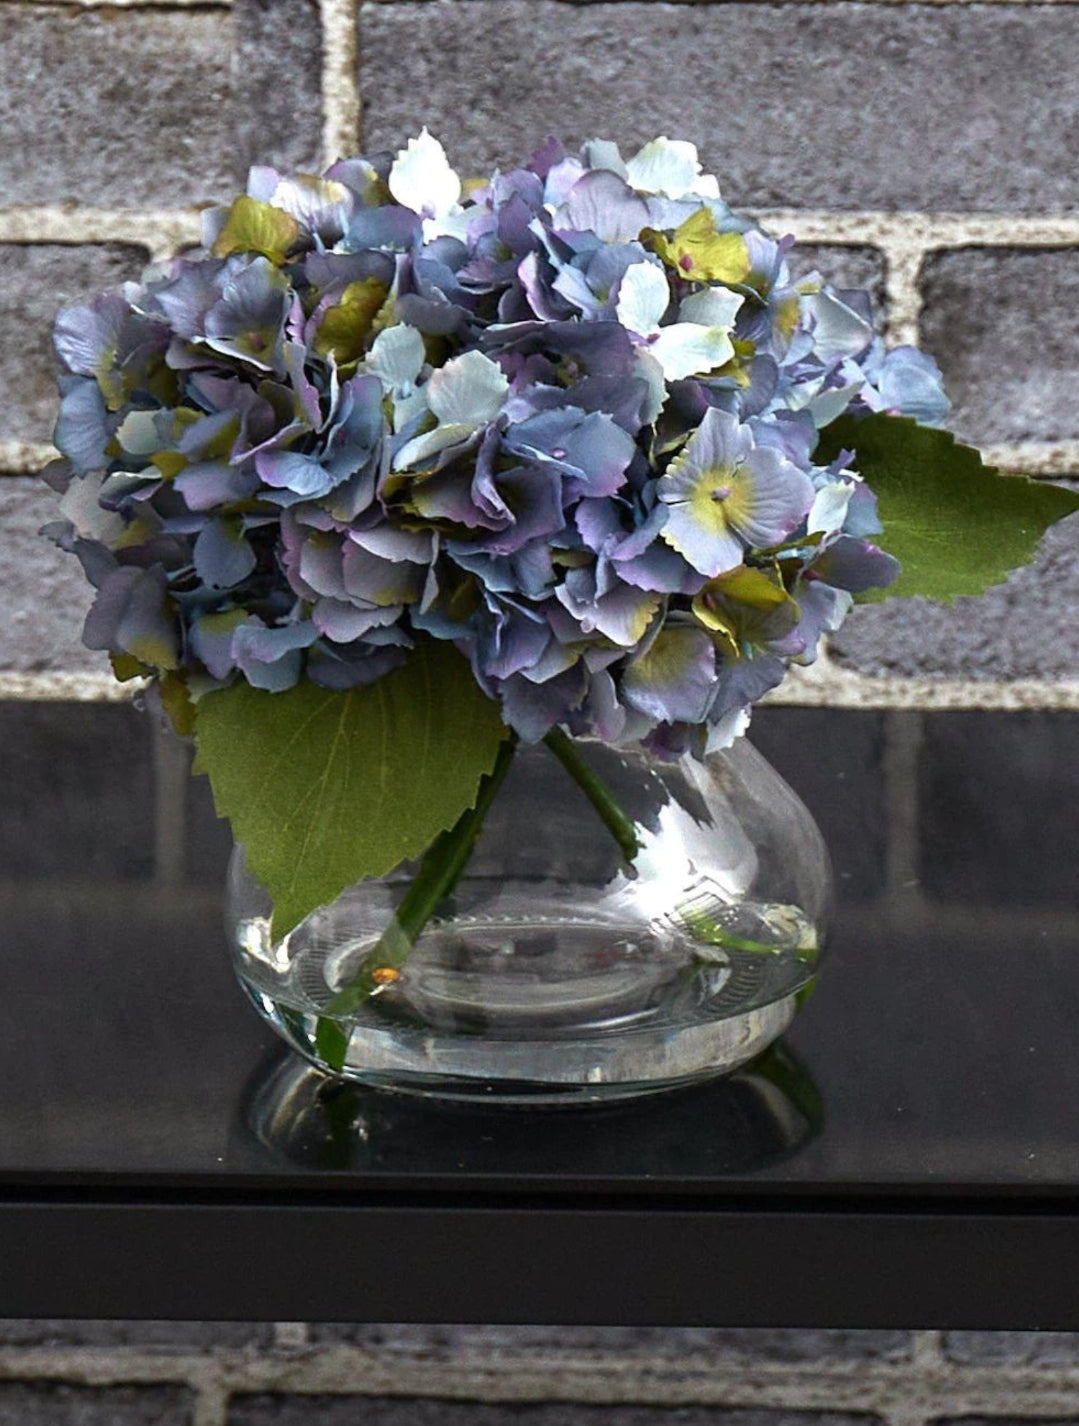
[[397, 471]]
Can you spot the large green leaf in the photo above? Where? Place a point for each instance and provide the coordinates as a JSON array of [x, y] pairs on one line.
[[956, 525], [325, 787]]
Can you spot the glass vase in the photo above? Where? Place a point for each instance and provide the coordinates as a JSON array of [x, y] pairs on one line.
[[563, 966]]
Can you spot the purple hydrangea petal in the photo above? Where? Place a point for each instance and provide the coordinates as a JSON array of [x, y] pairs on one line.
[[355, 667], [84, 427], [131, 615], [271, 658], [343, 622], [222, 556], [211, 640], [602, 203], [205, 485], [533, 709], [856, 565], [591, 451], [380, 581], [675, 678]]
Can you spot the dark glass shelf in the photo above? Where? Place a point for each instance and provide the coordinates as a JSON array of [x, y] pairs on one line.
[[909, 1155]]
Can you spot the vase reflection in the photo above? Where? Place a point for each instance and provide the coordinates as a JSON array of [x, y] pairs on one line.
[[759, 1115]]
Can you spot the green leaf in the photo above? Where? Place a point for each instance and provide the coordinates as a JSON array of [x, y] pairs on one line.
[[327, 787], [957, 526]]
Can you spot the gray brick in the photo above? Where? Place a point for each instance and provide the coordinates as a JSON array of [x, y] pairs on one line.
[[1001, 324], [276, 71], [374, 1411], [846, 106], [36, 1403], [447, 1343], [1048, 1349], [1025, 628], [154, 1336], [127, 107], [42, 590], [844, 267], [35, 282]]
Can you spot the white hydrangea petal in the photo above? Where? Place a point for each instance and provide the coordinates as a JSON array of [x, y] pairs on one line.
[[452, 224], [603, 153], [713, 307], [421, 177], [643, 297], [829, 508], [425, 447], [686, 349], [828, 405], [80, 506], [397, 357], [311, 199], [726, 730], [650, 372], [838, 331], [467, 391], [666, 166], [138, 433], [407, 408]]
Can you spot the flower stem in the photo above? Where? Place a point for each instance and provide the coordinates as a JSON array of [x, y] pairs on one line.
[[621, 827], [440, 871]]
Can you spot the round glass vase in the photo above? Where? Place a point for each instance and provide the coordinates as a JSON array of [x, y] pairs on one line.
[[558, 968]]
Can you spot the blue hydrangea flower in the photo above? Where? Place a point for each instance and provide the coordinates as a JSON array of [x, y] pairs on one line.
[[564, 418]]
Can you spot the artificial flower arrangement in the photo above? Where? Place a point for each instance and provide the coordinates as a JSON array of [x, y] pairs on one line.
[[397, 472]]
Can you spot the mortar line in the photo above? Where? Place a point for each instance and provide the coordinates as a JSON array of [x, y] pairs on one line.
[[160, 230], [211, 1404], [824, 685], [928, 1347], [899, 1391], [340, 80], [928, 231], [902, 293], [923, 229], [291, 1336]]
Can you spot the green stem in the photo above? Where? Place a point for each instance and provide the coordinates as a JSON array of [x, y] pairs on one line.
[[440, 871], [621, 827]]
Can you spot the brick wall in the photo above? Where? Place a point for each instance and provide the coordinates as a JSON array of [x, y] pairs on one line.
[[925, 150]]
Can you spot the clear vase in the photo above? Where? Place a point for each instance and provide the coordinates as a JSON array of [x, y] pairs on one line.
[[557, 969]]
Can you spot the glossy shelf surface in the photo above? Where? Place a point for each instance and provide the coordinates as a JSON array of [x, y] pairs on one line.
[[929, 1087]]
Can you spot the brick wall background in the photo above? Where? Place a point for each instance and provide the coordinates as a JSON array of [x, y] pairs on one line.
[[926, 150]]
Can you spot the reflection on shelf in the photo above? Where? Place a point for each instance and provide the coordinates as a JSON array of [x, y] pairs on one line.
[[756, 1117]]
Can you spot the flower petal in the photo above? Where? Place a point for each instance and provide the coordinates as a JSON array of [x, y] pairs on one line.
[[422, 179], [467, 391], [685, 349], [675, 678], [643, 298]]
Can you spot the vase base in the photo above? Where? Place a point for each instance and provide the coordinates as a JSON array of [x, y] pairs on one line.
[[641, 1012]]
